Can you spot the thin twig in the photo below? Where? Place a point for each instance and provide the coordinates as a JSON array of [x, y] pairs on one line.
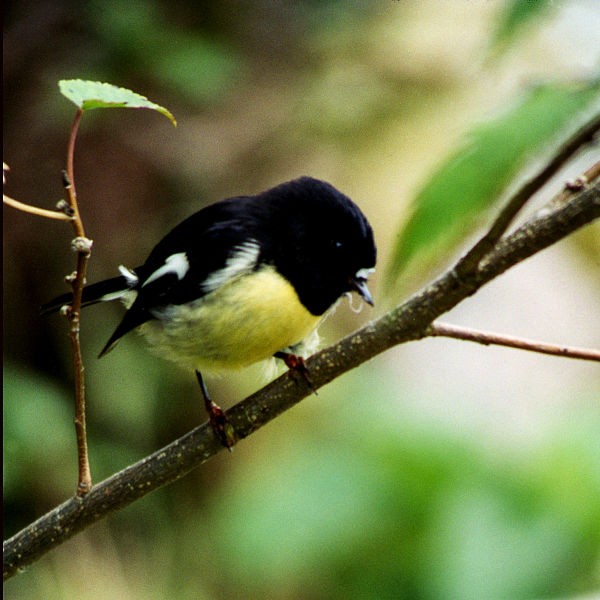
[[82, 246], [489, 338], [407, 322], [582, 136], [34, 210], [578, 183], [592, 173]]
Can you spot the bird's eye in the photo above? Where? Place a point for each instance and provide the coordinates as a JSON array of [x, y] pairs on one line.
[[337, 244]]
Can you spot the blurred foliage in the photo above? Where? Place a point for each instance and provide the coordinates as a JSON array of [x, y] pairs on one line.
[[413, 511], [456, 197], [351, 494], [516, 16], [33, 404], [198, 68], [407, 510]]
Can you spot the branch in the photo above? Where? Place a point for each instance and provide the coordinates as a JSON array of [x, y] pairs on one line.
[[409, 321], [488, 338], [34, 210], [582, 136], [82, 247]]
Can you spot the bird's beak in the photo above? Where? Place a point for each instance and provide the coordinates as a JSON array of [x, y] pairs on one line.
[[359, 284]]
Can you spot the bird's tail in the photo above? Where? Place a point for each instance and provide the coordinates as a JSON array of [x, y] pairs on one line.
[[103, 291]]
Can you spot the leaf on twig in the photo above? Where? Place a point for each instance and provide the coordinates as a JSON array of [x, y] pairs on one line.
[[516, 16], [474, 177], [95, 94]]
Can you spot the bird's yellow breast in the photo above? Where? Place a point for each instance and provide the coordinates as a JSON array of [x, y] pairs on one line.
[[246, 320]]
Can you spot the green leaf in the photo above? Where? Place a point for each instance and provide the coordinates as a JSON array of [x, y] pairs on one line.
[[515, 17], [95, 94], [451, 204]]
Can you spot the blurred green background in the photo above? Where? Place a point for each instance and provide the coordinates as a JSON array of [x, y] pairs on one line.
[[439, 470]]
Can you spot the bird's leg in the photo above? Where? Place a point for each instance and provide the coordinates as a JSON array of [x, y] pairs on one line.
[[218, 419], [297, 367]]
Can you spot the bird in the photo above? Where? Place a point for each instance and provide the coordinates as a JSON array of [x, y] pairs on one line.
[[243, 280]]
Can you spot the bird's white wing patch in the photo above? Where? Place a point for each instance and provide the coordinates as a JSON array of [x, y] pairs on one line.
[[242, 260], [130, 277], [131, 280], [176, 263]]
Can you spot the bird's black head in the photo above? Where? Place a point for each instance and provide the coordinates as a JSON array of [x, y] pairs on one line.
[[319, 240]]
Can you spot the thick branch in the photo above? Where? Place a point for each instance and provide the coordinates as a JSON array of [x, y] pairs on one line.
[[409, 321]]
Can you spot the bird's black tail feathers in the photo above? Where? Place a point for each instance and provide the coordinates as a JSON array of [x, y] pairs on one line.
[[131, 320], [103, 291]]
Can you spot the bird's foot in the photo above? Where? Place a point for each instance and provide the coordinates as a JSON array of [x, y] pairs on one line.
[[217, 418], [297, 367]]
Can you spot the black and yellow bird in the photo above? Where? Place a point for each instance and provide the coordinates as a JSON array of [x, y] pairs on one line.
[[243, 280]]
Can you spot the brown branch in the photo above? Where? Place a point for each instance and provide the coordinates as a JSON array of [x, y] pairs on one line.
[[82, 246], [489, 338], [34, 210], [409, 321]]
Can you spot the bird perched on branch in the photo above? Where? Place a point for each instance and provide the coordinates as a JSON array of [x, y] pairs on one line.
[[243, 280]]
